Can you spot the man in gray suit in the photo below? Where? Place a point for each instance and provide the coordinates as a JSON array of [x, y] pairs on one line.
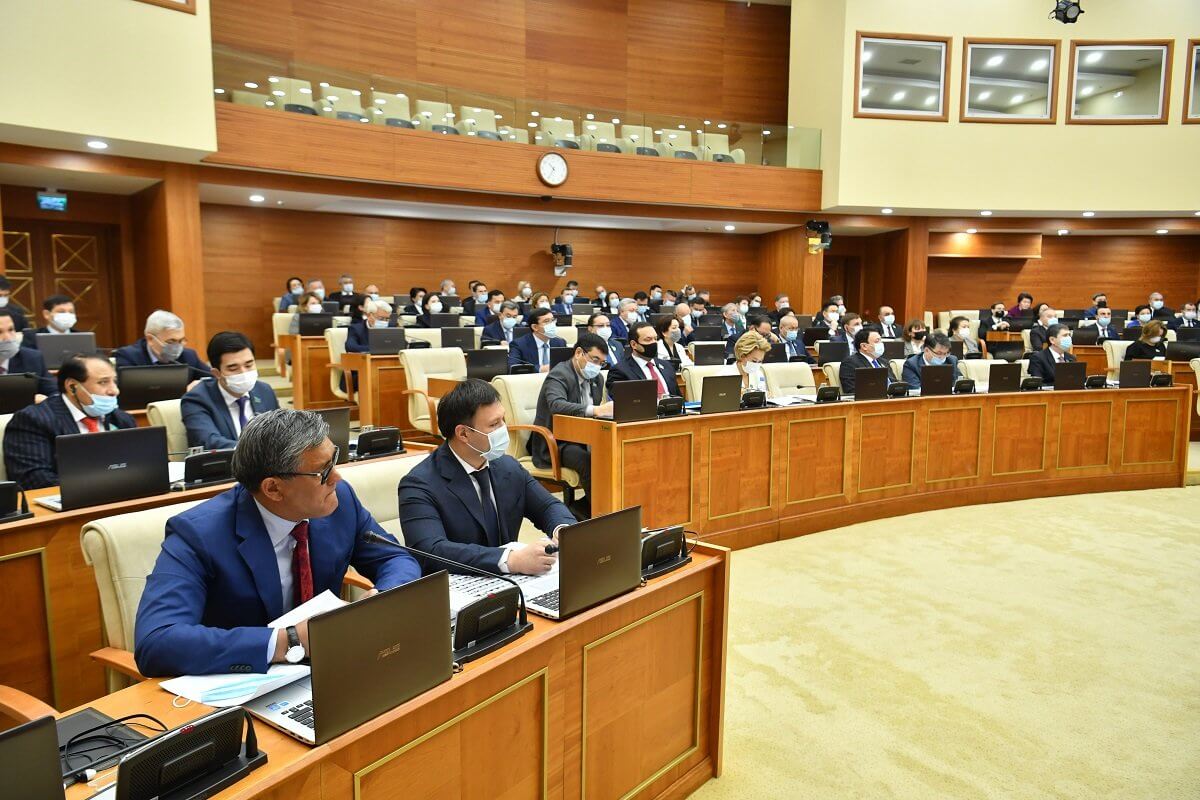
[[573, 387]]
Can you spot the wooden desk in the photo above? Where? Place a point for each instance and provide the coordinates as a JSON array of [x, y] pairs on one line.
[[310, 373], [625, 700], [750, 477], [1094, 356], [381, 381], [1004, 336]]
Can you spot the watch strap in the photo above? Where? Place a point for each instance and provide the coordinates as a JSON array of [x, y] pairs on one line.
[[293, 636]]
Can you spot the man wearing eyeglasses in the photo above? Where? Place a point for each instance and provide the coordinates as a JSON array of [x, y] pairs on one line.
[[285, 533], [163, 343]]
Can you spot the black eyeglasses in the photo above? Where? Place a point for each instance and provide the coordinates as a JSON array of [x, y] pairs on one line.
[[323, 475]]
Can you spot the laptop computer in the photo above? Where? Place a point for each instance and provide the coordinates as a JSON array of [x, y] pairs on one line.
[[712, 320], [957, 349], [141, 386], [1187, 334], [634, 401], [776, 355], [55, 347], [330, 307], [830, 352], [29, 761], [462, 338], [107, 467], [444, 321], [870, 383], [486, 364], [564, 320], [386, 341], [1004, 378], [598, 559], [1131, 334], [1070, 375], [1006, 351], [17, 391], [1183, 351], [367, 658], [936, 379], [708, 333], [315, 324], [813, 335], [338, 420], [1085, 335], [720, 394], [654, 319], [560, 354], [708, 354], [893, 349], [805, 320], [1134, 375]]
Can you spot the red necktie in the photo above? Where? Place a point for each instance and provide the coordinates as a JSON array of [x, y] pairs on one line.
[[302, 585], [658, 379], [92, 424]]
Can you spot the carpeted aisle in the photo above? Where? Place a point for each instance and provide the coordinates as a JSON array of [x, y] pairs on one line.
[[1037, 649]]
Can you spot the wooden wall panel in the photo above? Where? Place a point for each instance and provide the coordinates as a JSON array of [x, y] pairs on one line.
[[1071, 269], [786, 267], [706, 58], [985, 245]]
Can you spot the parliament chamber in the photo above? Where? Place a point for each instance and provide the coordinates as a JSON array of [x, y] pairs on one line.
[[784, 398]]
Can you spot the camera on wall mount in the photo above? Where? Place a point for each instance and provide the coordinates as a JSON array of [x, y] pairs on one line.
[[1066, 11], [819, 236]]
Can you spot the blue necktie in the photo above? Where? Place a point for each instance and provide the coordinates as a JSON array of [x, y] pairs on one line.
[[491, 520], [241, 404]]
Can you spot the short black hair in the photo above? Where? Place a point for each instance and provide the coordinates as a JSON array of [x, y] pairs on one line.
[[473, 283], [589, 341], [937, 339], [825, 306], [636, 328], [288, 285], [75, 368], [55, 300], [1055, 330], [754, 319], [640, 296], [1099, 294], [5, 284], [1024, 296], [429, 298], [227, 342], [416, 290], [537, 314], [862, 337], [654, 286], [495, 293], [8, 312], [1141, 308], [954, 323], [458, 407], [572, 284], [592, 319]]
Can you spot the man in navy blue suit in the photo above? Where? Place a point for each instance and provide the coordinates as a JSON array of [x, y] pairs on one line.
[[501, 330], [467, 500], [86, 403], [642, 363], [285, 533], [1187, 318], [626, 315], [486, 312], [58, 314], [599, 324], [163, 343], [15, 360], [535, 348], [376, 314], [936, 352], [217, 410], [6, 302], [566, 304]]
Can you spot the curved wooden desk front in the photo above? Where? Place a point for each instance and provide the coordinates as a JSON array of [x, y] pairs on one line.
[[750, 477]]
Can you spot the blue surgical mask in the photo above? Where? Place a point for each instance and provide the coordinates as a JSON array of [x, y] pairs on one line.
[[1103, 322], [481, 297], [698, 313], [230, 691], [643, 308], [380, 323], [101, 406], [656, 295], [937, 361], [889, 319], [299, 290], [319, 293], [604, 332], [590, 370], [1051, 321], [1065, 343], [550, 329], [790, 336], [497, 443], [375, 296], [1156, 305], [509, 323], [1144, 317], [878, 349]]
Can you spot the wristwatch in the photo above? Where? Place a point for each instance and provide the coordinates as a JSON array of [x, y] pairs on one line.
[[295, 652]]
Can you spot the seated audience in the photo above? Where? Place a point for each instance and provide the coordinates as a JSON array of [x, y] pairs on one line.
[[309, 303], [567, 303], [642, 301], [1105, 328], [887, 323], [502, 327], [731, 322], [914, 337], [430, 304], [599, 324], [1058, 350], [642, 363], [793, 344], [376, 314], [524, 291], [626, 316], [447, 289], [760, 323], [1024, 306], [1141, 315], [935, 353], [86, 403], [756, 302], [219, 408], [476, 299], [416, 300], [58, 314], [15, 360], [14, 308], [295, 288], [467, 500], [669, 347], [828, 318], [656, 298], [868, 352], [1039, 333], [486, 313], [1150, 344], [1186, 318], [230, 565], [703, 297], [1099, 301], [1158, 307], [749, 351], [317, 287], [995, 320], [851, 324], [535, 348], [687, 327], [346, 298], [163, 342], [960, 331]]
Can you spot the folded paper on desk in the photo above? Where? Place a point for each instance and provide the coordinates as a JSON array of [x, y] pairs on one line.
[[791, 399], [221, 691]]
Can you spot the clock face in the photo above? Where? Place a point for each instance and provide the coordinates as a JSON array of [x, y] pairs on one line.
[[552, 169]]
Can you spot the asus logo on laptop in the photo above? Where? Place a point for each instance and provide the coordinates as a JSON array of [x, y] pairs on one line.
[[388, 651], [603, 560], [122, 465]]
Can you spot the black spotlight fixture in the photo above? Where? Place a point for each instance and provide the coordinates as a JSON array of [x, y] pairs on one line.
[[1066, 11]]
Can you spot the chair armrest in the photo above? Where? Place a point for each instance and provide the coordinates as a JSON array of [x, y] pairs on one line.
[[22, 707], [432, 406], [551, 443], [357, 581], [119, 660]]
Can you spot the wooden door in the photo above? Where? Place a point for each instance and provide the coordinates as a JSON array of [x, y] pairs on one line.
[[76, 259]]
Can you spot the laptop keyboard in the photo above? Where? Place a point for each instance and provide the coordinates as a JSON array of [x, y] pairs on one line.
[[549, 601], [466, 589], [301, 713]]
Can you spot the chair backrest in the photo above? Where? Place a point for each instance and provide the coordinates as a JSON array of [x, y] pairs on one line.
[[280, 324], [717, 144], [515, 134], [977, 369], [385, 106], [337, 100], [833, 373], [169, 414], [635, 136], [557, 129], [407, 320], [431, 112], [242, 97], [896, 365], [1114, 351], [473, 119], [519, 396], [789, 378], [4, 420], [375, 484], [336, 339], [569, 334], [675, 140], [292, 92], [974, 329], [693, 377], [1194, 364], [1025, 341], [964, 312], [431, 335], [596, 132], [421, 365]]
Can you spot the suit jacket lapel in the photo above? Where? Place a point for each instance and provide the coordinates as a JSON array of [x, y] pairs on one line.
[[222, 415], [64, 422], [256, 550], [460, 484]]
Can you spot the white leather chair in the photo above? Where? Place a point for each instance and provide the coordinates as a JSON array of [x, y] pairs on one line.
[[639, 140], [944, 320], [421, 365], [974, 323], [927, 318], [693, 377], [169, 414], [558, 133], [1194, 364], [336, 339], [678, 144], [436, 117], [977, 369], [1114, 351], [407, 321], [715, 147], [510, 134], [963, 312], [896, 365], [1025, 341], [390, 109], [292, 95], [338, 102], [569, 334], [241, 97], [601, 136], [479, 122], [580, 319], [280, 326], [375, 484], [833, 373], [519, 396], [789, 378], [431, 335], [4, 420]]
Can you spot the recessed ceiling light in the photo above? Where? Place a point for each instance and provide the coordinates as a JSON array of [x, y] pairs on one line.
[[278, 202], [1093, 57], [305, 90], [250, 85], [269, 103], [681, 127], [273, 79], [1018, 98], [721, 125], [257, 198], [865, 92], [708, 122], [1119, 94], [1161, 231], [1039, 65], [534, 114], [984, 95], [985, 213], [333, 98], [1063, 231], [867, 55], [96, 144], [658, 133], [616, 121], [1089, 213], [324, 85], [731, 227], [886, 210], [898, 96], [218, 91], [995, 61], [1087, 90], [533, 124], [278, 92], [972, 230], [498, 116], [931, 99], [591, 116]]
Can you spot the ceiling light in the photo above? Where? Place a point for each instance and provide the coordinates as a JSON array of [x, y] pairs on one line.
[[721, 125], [1018, 98], [1161, 231], [1063, 231], [865, 92], [972, 230], [278, 92], [591, 116], [984, 96], [278, 202], [1085, 91], [931, 99], [305, 90], [250, 85], [401, 95], [218, 91], [1066, 11], [867, 55], [257, 198], [269, 103], [1089, 213], [356, 92], [682, 127], [995, 61], [273, 79], [381, 101], [96, 144], [333, 98], [497, 116], [658, 133], [1093, 57], [708, 122], [898, 96], [766, 133], [533, 114], [533, 124], [512, 136], [887, 210], [616, 121], [730, 227], [1039, 65], [985, 213], [1119, 94], [324, 85], [1198, 213]]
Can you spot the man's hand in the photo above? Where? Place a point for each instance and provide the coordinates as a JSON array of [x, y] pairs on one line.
[[281, 642], [604, 409], [369, 593], [37, 398], [193, 384], [530, 559], [545, 368]]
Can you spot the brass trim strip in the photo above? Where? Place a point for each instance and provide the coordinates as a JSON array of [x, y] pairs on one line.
[[845, 420], [912, 453], [543, 673], [978, 452], [699, 687], [40, 552], [1045, 435], [770, 460], [21, 238]]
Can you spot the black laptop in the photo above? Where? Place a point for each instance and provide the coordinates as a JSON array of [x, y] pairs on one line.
[[713, 320], [444, 320], [107, 467], [338, 420], [55, 347], [813, 335], [957, 349], [1135, 375], [1187, 334], [634, 401], [462, 338], [708, 333], [832, 352], [1085, 335], [1183, 351], [559, 355], [564, 320], [893, 349], [386, 341], [141, 386], [17, 391], [936, 379], [315, 324], [708, 354], [29, 761], [1070, 375], [1004, 378], [776, 355], [1131, 334], [486, 364], [720, 394], [330, 307], [1006, 351], [870, 383]]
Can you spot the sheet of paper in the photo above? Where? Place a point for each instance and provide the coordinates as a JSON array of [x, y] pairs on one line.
[[222, 691], [325, 601], [175, 471]]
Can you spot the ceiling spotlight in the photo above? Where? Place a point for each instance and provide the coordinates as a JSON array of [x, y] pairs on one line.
[[681, 127], [273, 79], [533, 124], [1161, 231], [1063, 231], [96, 144], [616, 121], [721, 125], [730, 227], [984, 95], [1094, 57], [985, 213], [250, 85], [1066, 11], [1119, 94], [887, 210], [766, 133], [972, 230], [867, 55], [257, 198], [324, 85], [269, 103], [533, 113], [1085, 91], [995, 61], [1039, 65], [1089, 213], [1018, 98], [591, 116], [898, 96], [218, 91], [931, 99]]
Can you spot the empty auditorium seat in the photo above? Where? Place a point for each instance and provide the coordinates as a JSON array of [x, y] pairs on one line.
[[559, 133], [293, 95], [678, 144], [480, 122], [639, 140], [341, 103], [715, 147], [169, 414], [519, 396], [436, 117], [601, 136], [390, 109], [789, 378], [514, 134]]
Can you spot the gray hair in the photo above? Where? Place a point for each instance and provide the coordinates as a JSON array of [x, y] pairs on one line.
[[445, 283], [371, 306], [509, 305], [725, 309], [273, 443], [627, 302], [160, 321]]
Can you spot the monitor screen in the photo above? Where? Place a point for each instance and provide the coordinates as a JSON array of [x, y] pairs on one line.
[[52, 201]]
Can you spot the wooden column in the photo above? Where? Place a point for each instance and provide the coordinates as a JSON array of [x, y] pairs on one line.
[[169, 267], [786, 267]]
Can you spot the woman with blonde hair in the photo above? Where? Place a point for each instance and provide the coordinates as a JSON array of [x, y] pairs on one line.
[[1150, 345], [749, 350]]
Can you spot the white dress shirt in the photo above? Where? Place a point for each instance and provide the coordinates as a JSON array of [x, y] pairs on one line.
[[280, 532], [470, 470], [79, 416], [665, 353], [231, 407], [655, 375]]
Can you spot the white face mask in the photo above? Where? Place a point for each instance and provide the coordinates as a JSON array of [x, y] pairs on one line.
[[375, 296], [497, 443], [752, 367], [543, 304], [435, 308], [889, 319], [743, 308], [526, 292], [3, 301], [63, 320], [834, 317], [1103, 322], [314, 308], [550, 330], [604, 332], [1143, 317], [631, 317], [1155, 339], [1189, 315], [878, 349], [242, 382], [347, 288]]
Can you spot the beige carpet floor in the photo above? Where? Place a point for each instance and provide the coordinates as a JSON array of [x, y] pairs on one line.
[[1036, 649]]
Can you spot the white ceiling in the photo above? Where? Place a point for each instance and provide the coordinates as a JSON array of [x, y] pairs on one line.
[[45, 178]]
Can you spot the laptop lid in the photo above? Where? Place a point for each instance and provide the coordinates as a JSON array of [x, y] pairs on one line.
[[599, 559], [1006, 351], [712, 320], [486, 364], [708, 333], [634, 401], [720, 393], [29, 761], [315, 324], [829, 352], [55, 347], [560, 354], [776, 355], [1004, 378], [1183, 351], [870, 383], [1187, 334], [141, 386], [1132, 334], [1070, 375], [462, 338], [707, 354], [805, 320], [956, 348], [936, 379], [564, 320], [1085, 335], [374, 654], [654, 319], [813, 335], [385, 341], [107, 467], [338, 420], [893, 349], [444, 321], [521, 330], [1135, 375], [17, 391], [330, 306]]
